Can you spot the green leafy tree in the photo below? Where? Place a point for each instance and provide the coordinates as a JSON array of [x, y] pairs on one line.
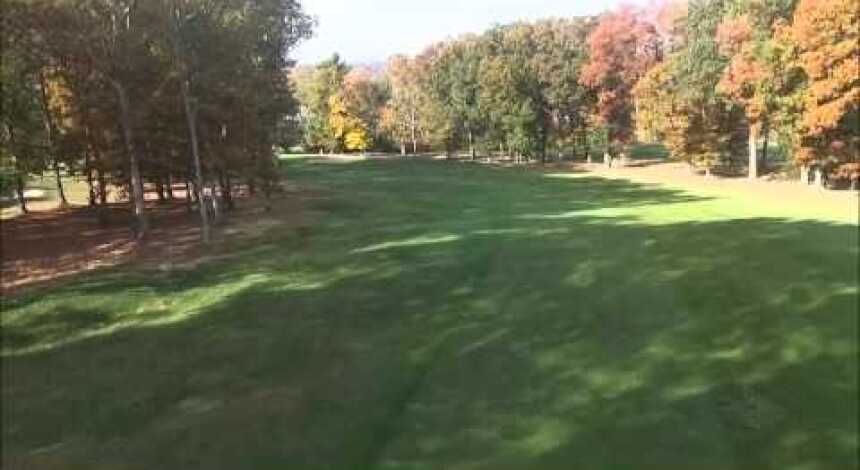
[[23, 140], [559, 57], [455, 82], [315, 86]]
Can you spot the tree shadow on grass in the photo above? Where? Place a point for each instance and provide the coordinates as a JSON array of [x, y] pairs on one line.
[[504, 342], [686, 357], [55, 325]]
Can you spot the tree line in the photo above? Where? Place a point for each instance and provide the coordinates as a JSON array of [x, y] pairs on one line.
[[716, 81], [157, 93], [141, 96]]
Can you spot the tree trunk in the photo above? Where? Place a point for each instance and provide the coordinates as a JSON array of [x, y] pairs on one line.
[[170, 186], [543, 146], [230, 201], [819, 177], [191, 118], [90, 161], [226, 193], [102, 187], [91, 189], [61, 193], [188, 195], [213, 200], [607, 159], [412, 130], [753, 157], [91, 186], [766, 132], [89, 170], [19, 190], [50, 128], [585, 145], [159, 189], [137, 198], [471, 146], [402, 149], [804, 174]]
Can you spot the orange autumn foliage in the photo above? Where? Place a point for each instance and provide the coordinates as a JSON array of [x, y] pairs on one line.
[[827, 48], [733, 33], [622, 48]]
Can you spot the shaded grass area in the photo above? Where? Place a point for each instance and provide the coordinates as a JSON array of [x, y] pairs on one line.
[[649, 151], [447, 315]]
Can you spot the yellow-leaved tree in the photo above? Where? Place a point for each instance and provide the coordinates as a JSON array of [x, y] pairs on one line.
[[347, 128]]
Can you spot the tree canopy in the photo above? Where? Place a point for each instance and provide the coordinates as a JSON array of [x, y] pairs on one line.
[[198, 89]]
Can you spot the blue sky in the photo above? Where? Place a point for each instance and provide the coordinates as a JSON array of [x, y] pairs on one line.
[[370, 30]]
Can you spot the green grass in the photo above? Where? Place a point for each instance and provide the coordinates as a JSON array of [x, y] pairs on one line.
[[448, 315], [649, 151]]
